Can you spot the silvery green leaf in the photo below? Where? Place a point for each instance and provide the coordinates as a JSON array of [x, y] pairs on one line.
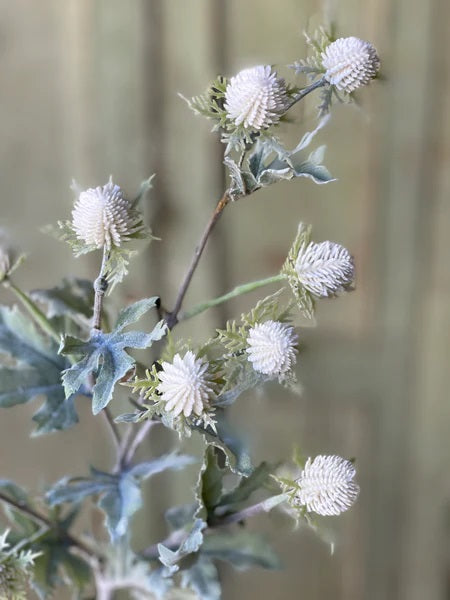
[[119, 494], [134, 312], [242, 492], [72, 297], [203, 579], [190, 545], [38, 373], [57, 413], [104, 355], [309, 136], [128, 418], [144, 188], [209, 488], [237, 188], [235, 448], [270, 176], [179, 516], [242, 549], [11, 489]]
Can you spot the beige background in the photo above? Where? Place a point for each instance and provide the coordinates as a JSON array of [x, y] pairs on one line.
[[89, 88]]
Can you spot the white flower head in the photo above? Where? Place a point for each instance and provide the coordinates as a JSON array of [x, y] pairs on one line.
[[350, 63], [186, 385], [324, 268], [256, 97], [272, 347], [326, 485], [103, 217]]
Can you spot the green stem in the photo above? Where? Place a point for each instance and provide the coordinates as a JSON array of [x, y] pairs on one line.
[[34, 311], [238, 291]]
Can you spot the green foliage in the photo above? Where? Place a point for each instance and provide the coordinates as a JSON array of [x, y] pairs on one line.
[[104, 354], [243, 550], [304, 298], [32, 368], [119, 493]]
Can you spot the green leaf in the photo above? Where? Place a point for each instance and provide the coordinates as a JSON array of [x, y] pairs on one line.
[[203, 579], [104, 355], [73, 297], [248, 485], [235, 449], [37, 373], [12, 490], [179, 516], [190, 545], [243, 550], [209, 489], [120, 494]]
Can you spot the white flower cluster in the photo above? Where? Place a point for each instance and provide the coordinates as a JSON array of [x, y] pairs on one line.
[[326, 485], [272, 347], [103, 217], [186, 385], [256, 98], [350, 63], [325, 268]]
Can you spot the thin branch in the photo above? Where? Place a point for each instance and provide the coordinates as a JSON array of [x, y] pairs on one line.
[[135, 441], [307, 90], [172, 317], [88, 553], [113, 427], [237, 291]]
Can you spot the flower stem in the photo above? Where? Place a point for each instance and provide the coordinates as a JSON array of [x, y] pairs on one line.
[[100, 288], [38, 316], [237, 291], [307, 90], [172, 317]]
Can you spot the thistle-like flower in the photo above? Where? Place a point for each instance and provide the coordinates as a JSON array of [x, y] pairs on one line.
[[256, 98], [325, 269], [103, 217], [326, 485], [350, 63], [272, 347], [186, 385]]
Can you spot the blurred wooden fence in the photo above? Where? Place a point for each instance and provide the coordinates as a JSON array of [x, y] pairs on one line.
[[89, 88]]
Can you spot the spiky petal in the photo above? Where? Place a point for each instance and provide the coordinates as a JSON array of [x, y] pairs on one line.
[[272, 347], [325, 269], [185, 386], [350, 63], [326, 485], [103, 217], [256, 98]]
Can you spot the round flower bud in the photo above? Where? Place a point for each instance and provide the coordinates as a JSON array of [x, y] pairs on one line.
[[350, 63], [185, 386], [256, 98], [272, 347], [326, 485], [103, 217], [325, 269]]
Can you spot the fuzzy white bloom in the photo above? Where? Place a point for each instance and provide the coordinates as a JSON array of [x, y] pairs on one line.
[[326, 485], [185, 386], [103, 217], [256, 97], [325, 269], [350, 63], [272, 347]]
